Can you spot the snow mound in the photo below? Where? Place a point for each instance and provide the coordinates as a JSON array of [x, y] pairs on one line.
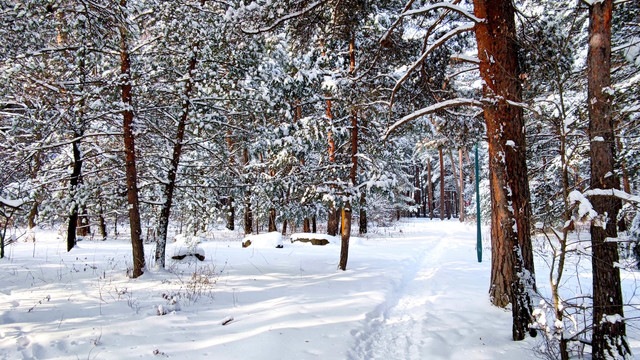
[[187, 246], [269, 240]]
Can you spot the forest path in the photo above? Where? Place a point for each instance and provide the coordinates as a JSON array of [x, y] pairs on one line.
[[440, 310]]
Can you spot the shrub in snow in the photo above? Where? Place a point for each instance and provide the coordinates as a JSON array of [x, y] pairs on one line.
[[170, 307], [187, 246], [314, 239]]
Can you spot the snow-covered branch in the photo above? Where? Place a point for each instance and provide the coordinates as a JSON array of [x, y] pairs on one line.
[[449, 6], [430, 109], [465, 58], [424, 9], [285, 18], [71, 141], [585, 209], [613, 192], [437, 43], [14, 204]]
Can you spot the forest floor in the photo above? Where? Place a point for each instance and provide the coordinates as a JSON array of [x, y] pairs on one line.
[[412, 291]]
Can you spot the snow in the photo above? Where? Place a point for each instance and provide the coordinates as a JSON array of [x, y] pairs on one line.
[[267, 240], [11, 203], [185, 246], [585, 209], [414, 291]]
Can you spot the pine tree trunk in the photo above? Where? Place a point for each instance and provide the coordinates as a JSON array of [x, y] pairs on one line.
[[248, 217], [512, 255], [314, 228], [74, 181], [130, 154], [306, 226], [31, 219], [231, 214], [272, 220], [332, 221], [102, 225], [609, 332], [346, 234], [362, 229]]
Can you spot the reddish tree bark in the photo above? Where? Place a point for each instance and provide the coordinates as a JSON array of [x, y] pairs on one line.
[[512, 256], [609, 336], [130, 153], [332, 217], [345, 236]]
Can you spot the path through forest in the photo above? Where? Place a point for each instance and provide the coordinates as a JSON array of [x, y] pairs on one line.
[[411, 291], [440, 309]]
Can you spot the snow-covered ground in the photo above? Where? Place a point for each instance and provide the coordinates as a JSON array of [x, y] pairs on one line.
[[412, 292]]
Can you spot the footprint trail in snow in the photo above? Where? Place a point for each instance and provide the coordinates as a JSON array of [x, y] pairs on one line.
[[440, 310]]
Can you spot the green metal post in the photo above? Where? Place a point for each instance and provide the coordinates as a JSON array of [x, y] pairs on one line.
[[478, 216]]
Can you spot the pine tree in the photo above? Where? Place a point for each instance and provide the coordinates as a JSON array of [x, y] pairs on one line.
[[512, 274], [609, 331]]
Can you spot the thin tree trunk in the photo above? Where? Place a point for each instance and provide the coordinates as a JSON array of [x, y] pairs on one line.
[[272, 220], [362, 229], [456, 181], [102, 225], [461, 185], [346, 210], [417, 194], [231, 214], [31, 220], [512, 272], [332, 218], [169, 187], [230, 211], [84, 228], [346, 234], [248, 216], [442, 201], [34, 172], [130, 154], [609, 331], [314, 228], [472, 172], [74, 181], [248, 213], [430, 189]]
